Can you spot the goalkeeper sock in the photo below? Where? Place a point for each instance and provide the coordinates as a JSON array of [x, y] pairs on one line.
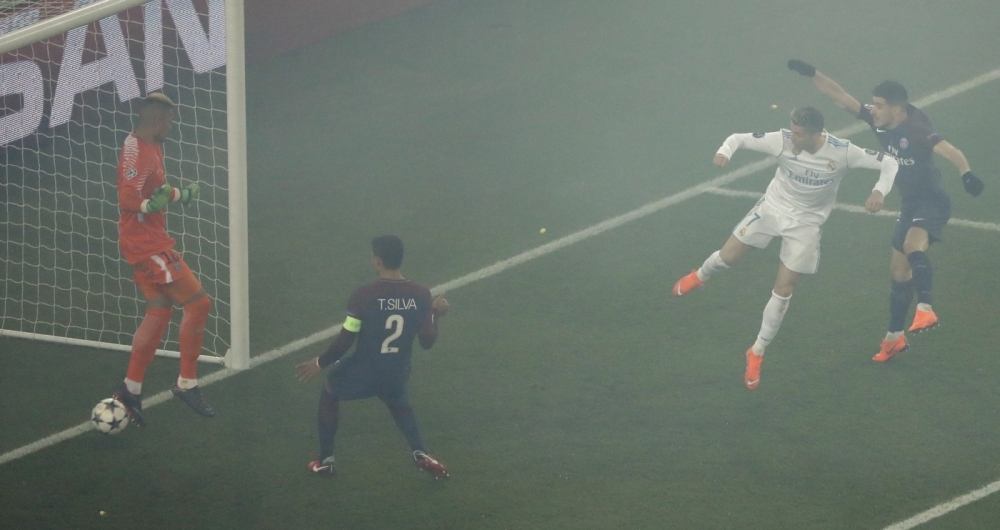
[[712, 265], [145, 341], [774, 312], [192, 333], [327, 419]]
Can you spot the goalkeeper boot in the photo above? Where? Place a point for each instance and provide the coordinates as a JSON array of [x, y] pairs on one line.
[[192, 397], [428, 463], [687, 284], [132, 403], [751, 378], [890, 348], [923, 321], [325, 467]]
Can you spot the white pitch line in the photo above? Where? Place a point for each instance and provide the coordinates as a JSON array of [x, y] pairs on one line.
[[981, 225], [946, 507], [501, 266]]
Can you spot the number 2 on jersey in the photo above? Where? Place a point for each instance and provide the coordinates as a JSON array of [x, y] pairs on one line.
[[394, 321]]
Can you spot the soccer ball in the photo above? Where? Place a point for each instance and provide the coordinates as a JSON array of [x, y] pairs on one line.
[[109, 416]]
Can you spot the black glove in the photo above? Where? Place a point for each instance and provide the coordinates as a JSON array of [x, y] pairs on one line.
[[802, 67], [972, 184]]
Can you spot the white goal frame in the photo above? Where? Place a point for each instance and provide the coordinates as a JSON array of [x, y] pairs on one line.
[[238, 354]]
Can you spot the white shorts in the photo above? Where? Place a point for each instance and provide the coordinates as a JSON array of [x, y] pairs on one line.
[[799, 241]]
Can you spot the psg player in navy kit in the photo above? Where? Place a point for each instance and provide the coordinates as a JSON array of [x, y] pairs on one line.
[[906, 133], [383, 317]]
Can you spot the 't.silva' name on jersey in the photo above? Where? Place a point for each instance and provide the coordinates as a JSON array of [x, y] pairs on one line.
[[396, 304]]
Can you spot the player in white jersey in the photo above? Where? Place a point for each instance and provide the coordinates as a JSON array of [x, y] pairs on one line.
[[811, 164]]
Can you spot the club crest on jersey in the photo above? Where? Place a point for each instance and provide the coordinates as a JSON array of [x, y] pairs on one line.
[[903, 143], [831, 166], [131, 173], [758, 134]]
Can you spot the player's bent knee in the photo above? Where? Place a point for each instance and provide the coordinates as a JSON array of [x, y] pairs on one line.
[[199, 306]]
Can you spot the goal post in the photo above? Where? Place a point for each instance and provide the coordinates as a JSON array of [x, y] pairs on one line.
[[71, 75]]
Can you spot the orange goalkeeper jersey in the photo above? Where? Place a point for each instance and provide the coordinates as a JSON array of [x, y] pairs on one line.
[[140, 172]]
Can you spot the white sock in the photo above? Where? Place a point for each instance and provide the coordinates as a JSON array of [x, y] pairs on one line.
[[186, 384], [712, 265], [774, 311], [893, 335], [133, 387], [923, 307]]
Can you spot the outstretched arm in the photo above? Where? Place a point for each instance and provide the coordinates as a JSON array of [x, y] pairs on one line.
[[305, 371], [827, 86], [770, 143], [970, 181], [887, 166]]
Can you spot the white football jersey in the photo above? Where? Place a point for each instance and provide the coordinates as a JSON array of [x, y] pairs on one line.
[[805, 185]]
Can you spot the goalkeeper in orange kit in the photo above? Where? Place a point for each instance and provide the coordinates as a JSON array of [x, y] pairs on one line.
[[160, 271]]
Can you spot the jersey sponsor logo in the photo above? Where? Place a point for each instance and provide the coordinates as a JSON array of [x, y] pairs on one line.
[[903, 143], [396, 304], [812, 178], [902, 161], [131, 173], [758, 134]]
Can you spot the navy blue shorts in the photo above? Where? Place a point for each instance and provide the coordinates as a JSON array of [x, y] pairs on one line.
[[360, 381], [930, 217]]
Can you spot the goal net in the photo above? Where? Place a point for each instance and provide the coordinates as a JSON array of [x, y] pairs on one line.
[[72, 74]]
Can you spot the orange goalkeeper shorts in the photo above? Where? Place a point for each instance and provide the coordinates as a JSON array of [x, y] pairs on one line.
[[165, 273]]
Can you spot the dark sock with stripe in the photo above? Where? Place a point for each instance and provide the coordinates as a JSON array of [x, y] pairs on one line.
[[899, 304], [402, 413], [327, 418], [923, 275]]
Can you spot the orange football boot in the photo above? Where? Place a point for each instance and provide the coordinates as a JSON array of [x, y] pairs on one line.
[[687, 284], [891, 348], [752, 376], [923, 320]]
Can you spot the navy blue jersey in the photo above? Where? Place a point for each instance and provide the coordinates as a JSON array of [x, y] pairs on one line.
[[392, 313], [912, 144]]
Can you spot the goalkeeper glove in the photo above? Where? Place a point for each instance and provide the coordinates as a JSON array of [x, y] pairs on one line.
[[159, 199], [189, 194], [972, 184], [802, 67]]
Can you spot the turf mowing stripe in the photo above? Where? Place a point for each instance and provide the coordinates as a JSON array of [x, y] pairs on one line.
[[982, 225], [501, 266]]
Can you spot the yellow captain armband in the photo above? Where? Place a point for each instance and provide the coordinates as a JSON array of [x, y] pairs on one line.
[[352, 324]]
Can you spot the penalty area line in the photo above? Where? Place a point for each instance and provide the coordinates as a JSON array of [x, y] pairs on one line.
[[981, 225], [503, 265]]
